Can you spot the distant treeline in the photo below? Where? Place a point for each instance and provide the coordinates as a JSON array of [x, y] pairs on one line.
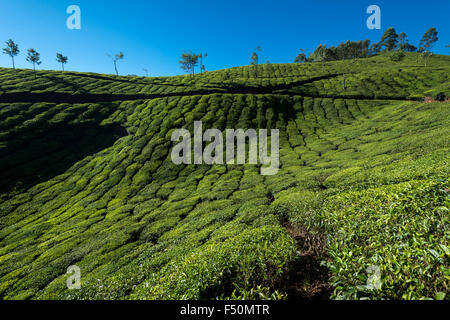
[[390, 41]]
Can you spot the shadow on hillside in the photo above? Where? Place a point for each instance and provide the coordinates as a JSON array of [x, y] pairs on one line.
[[76, 88], [38, 155], [153, 81]]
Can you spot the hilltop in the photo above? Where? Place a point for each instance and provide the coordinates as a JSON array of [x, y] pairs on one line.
[[87, 180]]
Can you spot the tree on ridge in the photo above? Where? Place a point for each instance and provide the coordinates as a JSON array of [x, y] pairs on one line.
[[188, 62], [61, 59], [34, 57], [389, 39], [12, 50], [115, 58]]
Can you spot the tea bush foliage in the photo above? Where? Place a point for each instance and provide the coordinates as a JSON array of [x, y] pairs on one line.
[[87, 180]]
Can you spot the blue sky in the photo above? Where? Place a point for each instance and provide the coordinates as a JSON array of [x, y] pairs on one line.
[[153, 34]]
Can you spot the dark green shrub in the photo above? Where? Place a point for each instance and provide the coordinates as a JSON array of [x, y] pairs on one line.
[[397, 56], [439, 96]]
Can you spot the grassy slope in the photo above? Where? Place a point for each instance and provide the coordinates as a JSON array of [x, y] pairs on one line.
[[364, 165]]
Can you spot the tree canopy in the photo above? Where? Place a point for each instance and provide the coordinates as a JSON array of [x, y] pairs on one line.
[[34, 57], [389, 40], [189, 61], [404, 44], [344, 51], [429, 39], [61, 59], [12, 50]]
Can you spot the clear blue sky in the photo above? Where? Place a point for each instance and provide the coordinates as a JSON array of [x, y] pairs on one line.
[[153, 34]]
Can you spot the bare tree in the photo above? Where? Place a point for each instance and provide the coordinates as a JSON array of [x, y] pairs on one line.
[[425, 55], [202, 67], [116, 58]]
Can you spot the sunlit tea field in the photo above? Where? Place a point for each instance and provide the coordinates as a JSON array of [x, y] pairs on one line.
[[87, 179]]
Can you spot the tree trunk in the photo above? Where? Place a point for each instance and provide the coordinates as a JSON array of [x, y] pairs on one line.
[[62, 66], [115, 67], [34, 69], [14, 66]]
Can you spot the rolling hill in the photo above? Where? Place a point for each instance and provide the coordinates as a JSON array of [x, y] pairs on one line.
[[87, 180]]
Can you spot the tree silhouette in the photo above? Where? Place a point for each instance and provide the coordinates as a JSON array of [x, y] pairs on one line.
[[61, 59], [375, 48], [428, 39], [301, 57], [202, 67], [116, 58], [404, 44], [35, 58], [188, 62], [389, 39], [11, 50], [320, 55], [255, 59]]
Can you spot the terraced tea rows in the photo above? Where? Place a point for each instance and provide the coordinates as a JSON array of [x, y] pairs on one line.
[[92, 184]]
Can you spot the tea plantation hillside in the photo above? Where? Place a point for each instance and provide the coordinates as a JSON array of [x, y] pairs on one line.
[[87, 179]]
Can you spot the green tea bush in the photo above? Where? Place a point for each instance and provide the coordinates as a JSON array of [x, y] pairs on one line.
[[397, 56], [362, 172], [253, 257], [402, 229]]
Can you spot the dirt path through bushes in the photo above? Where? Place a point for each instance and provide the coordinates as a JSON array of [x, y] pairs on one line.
[[307, 278]]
